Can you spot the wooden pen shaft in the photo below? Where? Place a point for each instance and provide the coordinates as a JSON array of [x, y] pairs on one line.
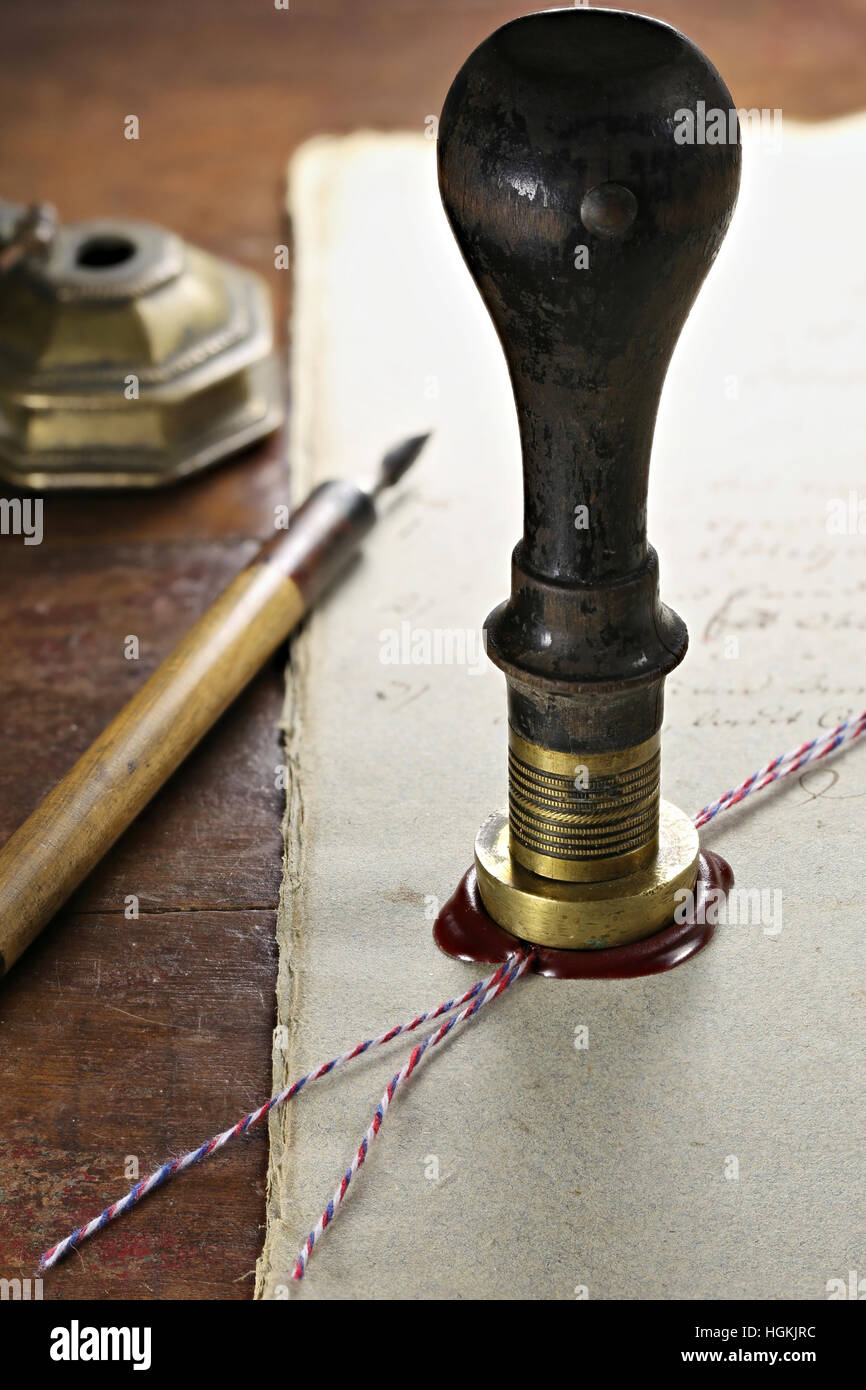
[[66, 836]]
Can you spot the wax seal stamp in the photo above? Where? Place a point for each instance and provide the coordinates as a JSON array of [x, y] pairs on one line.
[[588, 230]]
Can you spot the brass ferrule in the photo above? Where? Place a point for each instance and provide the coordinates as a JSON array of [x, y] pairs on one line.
[[583, 818]]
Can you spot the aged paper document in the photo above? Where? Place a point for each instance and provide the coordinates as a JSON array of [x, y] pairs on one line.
[[697, 1134]]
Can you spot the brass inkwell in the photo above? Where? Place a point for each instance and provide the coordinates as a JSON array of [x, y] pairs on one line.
[[128, 358]]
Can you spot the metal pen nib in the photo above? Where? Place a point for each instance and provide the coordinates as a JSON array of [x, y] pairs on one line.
[[396, 462]]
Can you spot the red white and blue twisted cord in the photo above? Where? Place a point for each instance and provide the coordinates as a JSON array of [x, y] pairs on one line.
[[481, 993], [511, 971], [187, 1160], [785, 765]]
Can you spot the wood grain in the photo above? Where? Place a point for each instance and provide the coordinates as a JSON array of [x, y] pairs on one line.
[[225, 92], [148, 1037]]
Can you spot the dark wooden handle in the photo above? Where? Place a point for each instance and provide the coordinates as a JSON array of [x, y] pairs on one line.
[[588, 228]]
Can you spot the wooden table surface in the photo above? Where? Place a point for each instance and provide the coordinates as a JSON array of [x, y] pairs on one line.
[[125, 1041]]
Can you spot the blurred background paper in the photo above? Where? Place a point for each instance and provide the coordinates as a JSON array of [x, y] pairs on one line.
[[708, 1141]]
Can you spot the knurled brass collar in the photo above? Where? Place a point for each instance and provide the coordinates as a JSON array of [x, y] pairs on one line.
[[583, 817]]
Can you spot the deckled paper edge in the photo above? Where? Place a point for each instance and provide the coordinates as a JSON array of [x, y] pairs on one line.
[[302, 192], [309, 214]]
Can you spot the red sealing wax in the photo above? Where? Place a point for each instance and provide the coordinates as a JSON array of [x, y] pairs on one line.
[[465, 929]]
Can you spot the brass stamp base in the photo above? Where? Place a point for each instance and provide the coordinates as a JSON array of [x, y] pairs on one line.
[[586, 916]]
